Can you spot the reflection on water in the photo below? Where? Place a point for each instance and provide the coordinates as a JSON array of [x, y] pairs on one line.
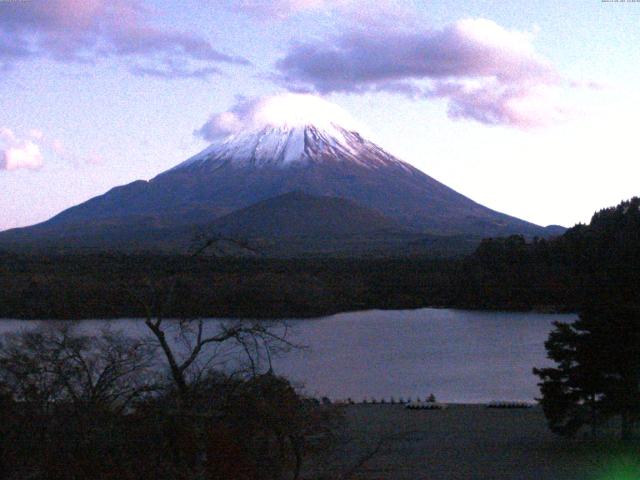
[[460, 356]]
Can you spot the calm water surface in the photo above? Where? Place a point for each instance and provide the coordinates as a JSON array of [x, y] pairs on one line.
[[460, 356]]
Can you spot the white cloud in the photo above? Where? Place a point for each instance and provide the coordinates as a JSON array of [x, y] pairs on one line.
[[87, 30], [18, 153], [484, 71], [283, 110]]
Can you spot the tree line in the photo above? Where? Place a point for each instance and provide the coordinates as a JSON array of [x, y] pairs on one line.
[[595, 382]]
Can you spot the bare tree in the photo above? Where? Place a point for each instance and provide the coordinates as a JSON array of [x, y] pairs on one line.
[[69, 397], [191, 346], [58, 364]]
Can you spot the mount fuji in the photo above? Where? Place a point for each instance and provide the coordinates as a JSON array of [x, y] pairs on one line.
[[264, 152]]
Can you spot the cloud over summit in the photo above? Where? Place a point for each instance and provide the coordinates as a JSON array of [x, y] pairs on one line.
[[285, 110]]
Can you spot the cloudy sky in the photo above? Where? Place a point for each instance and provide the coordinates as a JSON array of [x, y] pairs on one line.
[[530, 108]]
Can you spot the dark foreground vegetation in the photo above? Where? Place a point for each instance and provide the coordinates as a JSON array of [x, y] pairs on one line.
[[596, 382], [79, 406], [75, 405], [560, 274], [596, 379]]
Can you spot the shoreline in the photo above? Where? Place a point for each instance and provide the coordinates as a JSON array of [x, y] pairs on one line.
[[303, 317]]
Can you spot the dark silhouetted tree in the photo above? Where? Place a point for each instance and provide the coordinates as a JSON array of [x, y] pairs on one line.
[[598, 370]]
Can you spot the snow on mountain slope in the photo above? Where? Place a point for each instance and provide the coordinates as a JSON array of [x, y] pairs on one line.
[[284, 145], [284, 130]]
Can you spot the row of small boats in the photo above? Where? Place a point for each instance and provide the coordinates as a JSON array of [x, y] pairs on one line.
[[433, 405], [418, 405]]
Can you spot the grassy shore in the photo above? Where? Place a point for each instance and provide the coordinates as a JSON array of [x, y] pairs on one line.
[[477, 443]]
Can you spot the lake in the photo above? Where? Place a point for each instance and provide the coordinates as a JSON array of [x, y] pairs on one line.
[[458, 355]]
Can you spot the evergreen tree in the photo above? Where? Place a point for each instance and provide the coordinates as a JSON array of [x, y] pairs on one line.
[[598, 370]]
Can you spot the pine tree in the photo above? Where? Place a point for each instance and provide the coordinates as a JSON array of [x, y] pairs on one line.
[[598, 370]]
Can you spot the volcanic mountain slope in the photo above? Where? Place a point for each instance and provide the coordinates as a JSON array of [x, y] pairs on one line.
[[315, 156], [298, 214], [297, 224], [290, 225]]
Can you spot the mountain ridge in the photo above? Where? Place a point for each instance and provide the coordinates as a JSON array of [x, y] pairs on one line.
[[252, 166]]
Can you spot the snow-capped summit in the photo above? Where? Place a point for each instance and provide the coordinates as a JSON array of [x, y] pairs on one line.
[[286, 146], [284, 130]]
